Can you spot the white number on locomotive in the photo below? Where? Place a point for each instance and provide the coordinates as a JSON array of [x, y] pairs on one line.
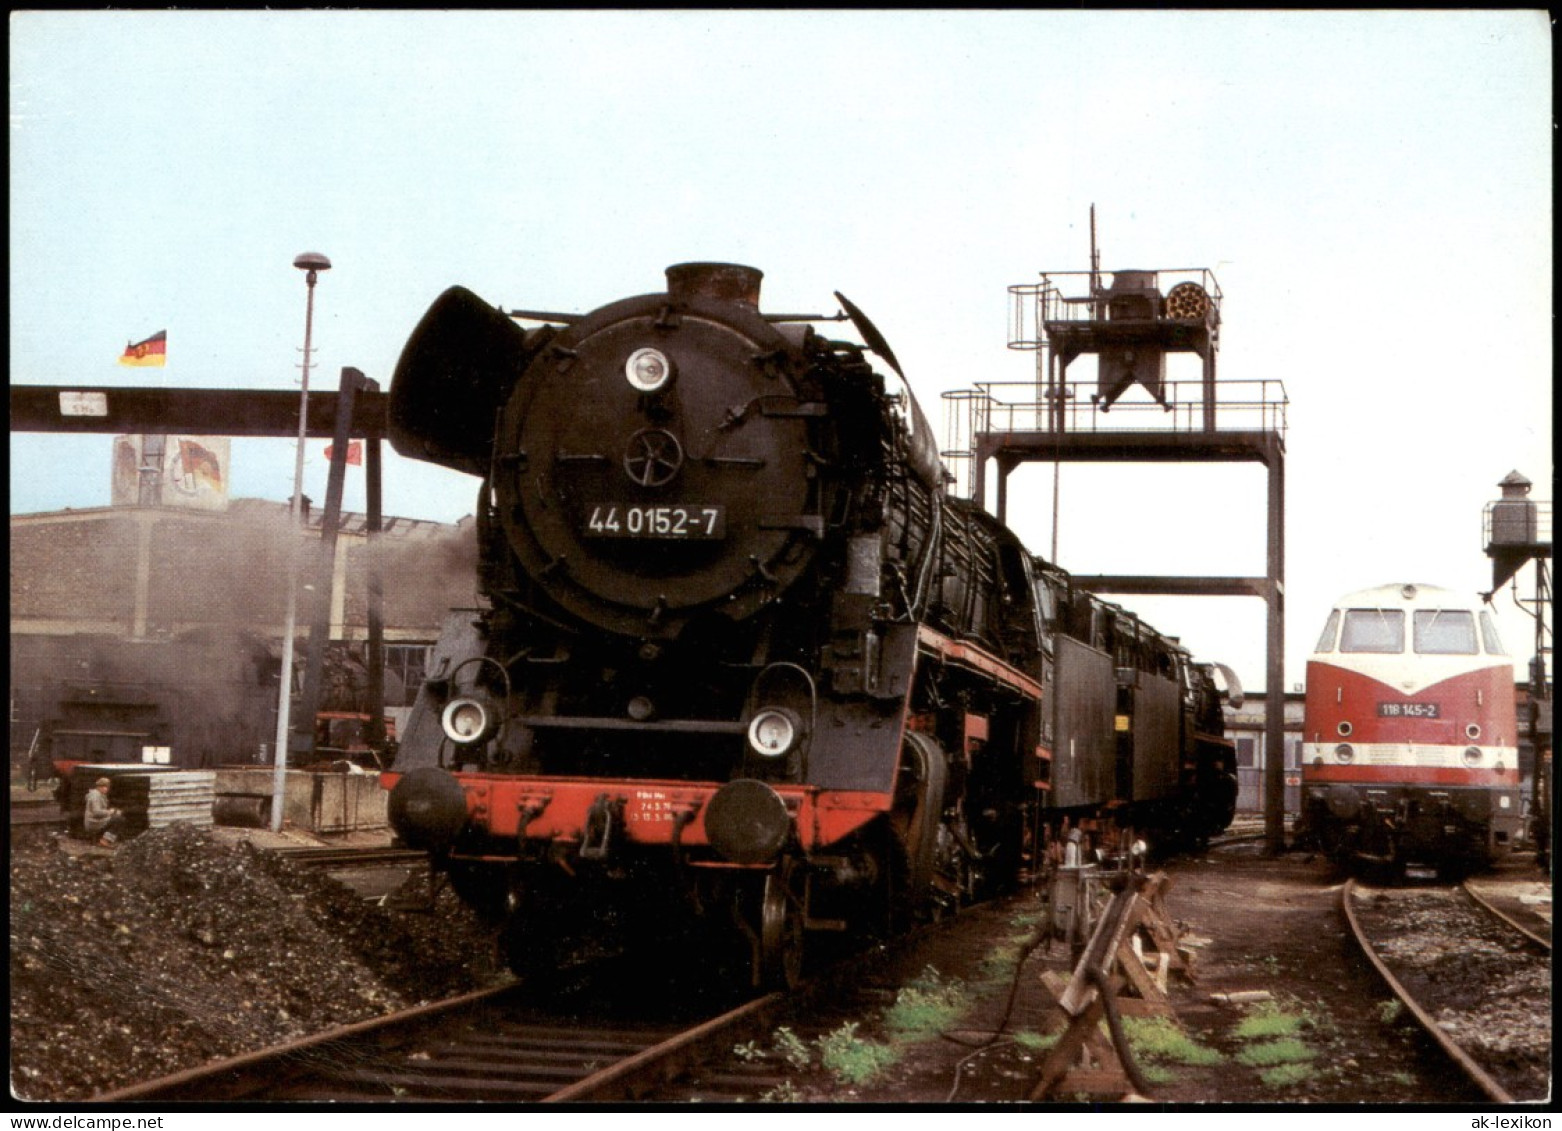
[[614, 520]]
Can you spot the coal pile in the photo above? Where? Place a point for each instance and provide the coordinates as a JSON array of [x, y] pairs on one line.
[[179, 949]]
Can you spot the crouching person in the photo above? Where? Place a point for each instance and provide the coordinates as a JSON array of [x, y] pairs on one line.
[[101, 820]]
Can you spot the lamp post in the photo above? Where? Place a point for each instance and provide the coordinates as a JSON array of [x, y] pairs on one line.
[[312, 263]]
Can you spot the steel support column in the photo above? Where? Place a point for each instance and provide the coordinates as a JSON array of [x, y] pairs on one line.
[[302, 740], [371, 466], [1274, 708], [1010, 449]]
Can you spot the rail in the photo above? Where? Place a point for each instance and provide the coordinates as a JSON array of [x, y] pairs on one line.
[[1439, 1019], [446, 1051], [1476, 1074], [248, 1073], [1485, 903]]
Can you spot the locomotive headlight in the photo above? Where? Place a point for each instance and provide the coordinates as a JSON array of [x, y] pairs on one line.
[[773, 732], [467, 720], [1472, 755], [648, 370], [1343, 753]]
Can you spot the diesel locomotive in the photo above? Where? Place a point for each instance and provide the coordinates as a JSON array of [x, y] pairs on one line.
[[1410, 744], [744, 668]]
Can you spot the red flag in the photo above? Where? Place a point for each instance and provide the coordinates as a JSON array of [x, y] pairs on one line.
[[354, 452], [151, 351]]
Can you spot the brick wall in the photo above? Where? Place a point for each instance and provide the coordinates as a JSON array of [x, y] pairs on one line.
[[75, 570]]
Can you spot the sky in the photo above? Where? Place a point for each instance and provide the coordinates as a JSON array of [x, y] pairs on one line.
[[1372, 191]]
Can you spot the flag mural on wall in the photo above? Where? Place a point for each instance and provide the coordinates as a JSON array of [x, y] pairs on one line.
[[200, 465], [171, 471], [148, 351]]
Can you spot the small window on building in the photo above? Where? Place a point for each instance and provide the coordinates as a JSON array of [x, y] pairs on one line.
[[1373, 630], [157, 755], [1247, 752], [1293, 753], [1445, 632], [1489, 635], [406, 664], [1330, 628]]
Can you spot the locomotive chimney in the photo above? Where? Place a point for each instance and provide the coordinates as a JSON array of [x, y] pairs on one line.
[[724, 282]]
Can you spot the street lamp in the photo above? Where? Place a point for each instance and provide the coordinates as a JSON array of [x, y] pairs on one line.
[[312, 263]]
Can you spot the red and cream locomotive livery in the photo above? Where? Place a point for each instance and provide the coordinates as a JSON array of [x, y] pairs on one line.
[[1410, 750]]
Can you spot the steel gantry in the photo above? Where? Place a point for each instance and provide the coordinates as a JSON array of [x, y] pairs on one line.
[[1130, 321]]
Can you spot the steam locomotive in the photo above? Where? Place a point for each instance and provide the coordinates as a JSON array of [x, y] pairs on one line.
[[1410, 750], [746, 670]]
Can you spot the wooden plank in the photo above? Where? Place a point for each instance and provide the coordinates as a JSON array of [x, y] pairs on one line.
[[1095, 1082], [1061, 1057], [1140, 979]]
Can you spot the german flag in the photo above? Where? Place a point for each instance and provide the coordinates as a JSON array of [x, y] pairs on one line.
[[151, 351], [201, 464]]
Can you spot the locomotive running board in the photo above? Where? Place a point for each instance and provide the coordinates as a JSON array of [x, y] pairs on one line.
[[970, 656]]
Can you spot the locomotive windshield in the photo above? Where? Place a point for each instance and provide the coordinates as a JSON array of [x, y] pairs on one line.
[[1330, 629], [1489, 634], [1373, 630], [1445, 632]]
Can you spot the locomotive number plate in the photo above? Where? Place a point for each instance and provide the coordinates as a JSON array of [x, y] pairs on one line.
[[1408, 711], [685, 523]]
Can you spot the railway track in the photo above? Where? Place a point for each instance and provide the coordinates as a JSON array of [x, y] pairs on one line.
[[487, 1047], [565, 1043], [329, 858], [1504, 906], [1478, 986]]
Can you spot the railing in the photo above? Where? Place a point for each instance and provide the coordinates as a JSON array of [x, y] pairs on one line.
[[1022, 406], [1033, 305], [1243, 406], [1518, 522]]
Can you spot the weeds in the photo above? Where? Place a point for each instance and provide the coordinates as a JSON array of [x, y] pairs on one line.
[[1285, 1050], [1268, 1021], [1156, 1074], [785, 1092], [852, 1059], [793, 1049], [1284, 1075], [1036, 1042], [1275, 1045], [999, 963], [1159, 1040], [1390, 1011], [927, 1006]]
